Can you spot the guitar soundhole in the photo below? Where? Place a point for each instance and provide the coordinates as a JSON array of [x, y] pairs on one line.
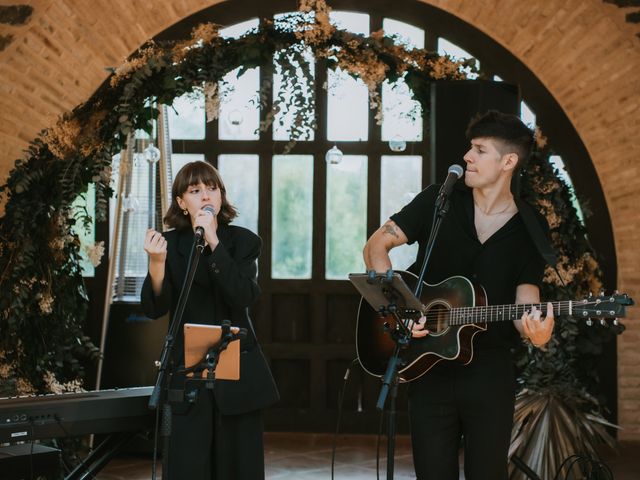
[[437, 318]]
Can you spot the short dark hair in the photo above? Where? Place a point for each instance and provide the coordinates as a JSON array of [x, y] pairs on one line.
[[194, 173], [513, 134]]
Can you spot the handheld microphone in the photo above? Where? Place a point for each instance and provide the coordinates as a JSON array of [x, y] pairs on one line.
[[199, 230]]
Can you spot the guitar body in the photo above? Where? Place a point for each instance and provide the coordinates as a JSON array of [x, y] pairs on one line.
[[444, 343]]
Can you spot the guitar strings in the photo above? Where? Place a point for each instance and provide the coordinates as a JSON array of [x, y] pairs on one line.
[[463, 313]]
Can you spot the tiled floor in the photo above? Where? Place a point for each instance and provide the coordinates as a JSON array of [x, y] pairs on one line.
[[308, 457]]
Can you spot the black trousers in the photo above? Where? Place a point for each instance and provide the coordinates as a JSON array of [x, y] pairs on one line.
[[470, 403], [206, 445]]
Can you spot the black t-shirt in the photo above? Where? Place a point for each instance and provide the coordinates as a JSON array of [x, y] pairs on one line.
[[507, 259]]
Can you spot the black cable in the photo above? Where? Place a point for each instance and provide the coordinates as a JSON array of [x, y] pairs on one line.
[[154, 464], [378, 444], [562, 465], [65, 465], [340, 404], [589, 468], [33, 440], [570, 465], [607, 471]]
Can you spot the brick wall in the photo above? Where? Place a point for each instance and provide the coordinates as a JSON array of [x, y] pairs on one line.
[[582, 51]]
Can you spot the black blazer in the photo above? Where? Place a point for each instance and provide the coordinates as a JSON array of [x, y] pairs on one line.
[[224, 286]]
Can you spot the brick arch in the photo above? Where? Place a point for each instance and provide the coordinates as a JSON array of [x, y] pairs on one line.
[[581, 50]]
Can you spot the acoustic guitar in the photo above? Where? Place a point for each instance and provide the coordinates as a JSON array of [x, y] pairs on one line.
[[456, 310]]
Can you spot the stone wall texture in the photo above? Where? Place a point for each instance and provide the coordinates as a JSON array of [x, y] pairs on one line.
[[583, 51]]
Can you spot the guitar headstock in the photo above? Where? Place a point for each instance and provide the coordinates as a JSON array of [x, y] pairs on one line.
[[602, 306]]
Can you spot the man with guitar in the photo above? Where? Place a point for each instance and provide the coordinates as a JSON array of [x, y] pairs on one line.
[[484, 239]]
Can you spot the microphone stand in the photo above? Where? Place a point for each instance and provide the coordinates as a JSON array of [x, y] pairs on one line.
[[441, 210], [403, 337], [165, 363]]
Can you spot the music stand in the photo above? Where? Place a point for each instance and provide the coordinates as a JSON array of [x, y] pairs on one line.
[[386, 291], [390, 295], [212, 352]]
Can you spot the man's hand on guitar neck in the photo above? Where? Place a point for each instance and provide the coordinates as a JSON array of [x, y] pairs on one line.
[[418, 329], [536, 329]]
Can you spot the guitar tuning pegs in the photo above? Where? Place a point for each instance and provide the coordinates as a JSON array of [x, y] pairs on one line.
[[589, 322], [615, 322], [590, 294], [603, 322], [602, 293], [616, 292]]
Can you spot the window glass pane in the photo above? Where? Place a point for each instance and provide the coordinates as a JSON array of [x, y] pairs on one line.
[[240, 177], [561, 172], [86, 203], [186, 118], [445, 47], [292, 215], [402, 118], [179, 160], [408, 35], [347, 110], [527, 115], [239, 29], [239, 112], [351, 21], [400, 181], [348, 99], [346, 222], [285, 118]]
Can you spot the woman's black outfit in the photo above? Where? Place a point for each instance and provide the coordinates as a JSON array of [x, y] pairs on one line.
[[474, 402], [219, 436]]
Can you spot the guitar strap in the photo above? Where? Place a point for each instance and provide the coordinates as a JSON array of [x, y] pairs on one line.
[[538, 236]]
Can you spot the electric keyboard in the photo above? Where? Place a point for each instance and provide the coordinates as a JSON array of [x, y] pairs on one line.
[[24, 419]]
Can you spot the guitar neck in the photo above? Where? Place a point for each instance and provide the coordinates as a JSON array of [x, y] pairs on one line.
[[503, 313]]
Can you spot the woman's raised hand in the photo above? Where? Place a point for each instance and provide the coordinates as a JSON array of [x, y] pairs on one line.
[[156, 246]]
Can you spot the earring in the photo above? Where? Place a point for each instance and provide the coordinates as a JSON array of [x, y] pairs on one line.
[[185, 212]]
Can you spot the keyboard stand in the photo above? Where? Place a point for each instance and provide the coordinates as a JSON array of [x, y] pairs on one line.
[[100, 456]]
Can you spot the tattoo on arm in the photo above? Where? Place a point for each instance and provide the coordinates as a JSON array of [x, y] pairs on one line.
[[390, 229]]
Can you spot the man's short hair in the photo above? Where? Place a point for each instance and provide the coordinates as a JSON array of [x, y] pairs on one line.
[[513, 134]]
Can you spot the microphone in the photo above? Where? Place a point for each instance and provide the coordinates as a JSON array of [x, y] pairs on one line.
[[199, 230], [453, 174]]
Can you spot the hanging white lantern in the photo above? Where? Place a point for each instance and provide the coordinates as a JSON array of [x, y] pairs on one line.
[[152, 153], [397, 144], [333, 156]]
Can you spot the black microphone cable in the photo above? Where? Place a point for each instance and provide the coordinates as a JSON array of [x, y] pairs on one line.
[[156, 431], [347, 374], [591, 468], [60, 443], [33, 440], [378, 441]]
